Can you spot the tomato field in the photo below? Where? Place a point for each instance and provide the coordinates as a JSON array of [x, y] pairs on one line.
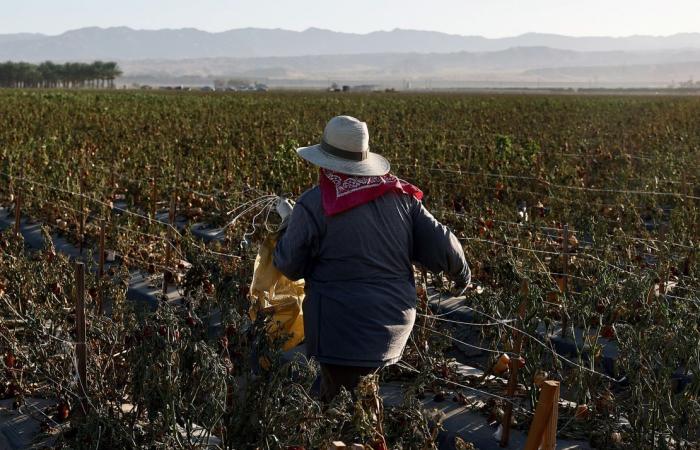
[[579, 217]]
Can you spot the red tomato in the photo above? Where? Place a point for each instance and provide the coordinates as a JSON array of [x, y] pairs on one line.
[[9, 360]]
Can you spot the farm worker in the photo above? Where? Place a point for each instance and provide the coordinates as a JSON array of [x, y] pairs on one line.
[[354, 238]]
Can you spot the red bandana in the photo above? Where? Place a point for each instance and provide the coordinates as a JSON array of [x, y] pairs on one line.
[[341, 192]]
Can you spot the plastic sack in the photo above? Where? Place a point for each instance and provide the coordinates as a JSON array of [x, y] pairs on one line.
[[278, 296]]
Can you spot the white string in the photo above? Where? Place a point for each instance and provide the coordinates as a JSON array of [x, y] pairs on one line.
[[149, 219], [474, 324], [266, 207], [407, 366], [526, 225], [202, 248], [548, 348], [510, 246], [562, 186], [250, 206], [476, 347]]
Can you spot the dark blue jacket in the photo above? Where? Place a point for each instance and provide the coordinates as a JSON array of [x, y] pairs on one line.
[[358, 267]]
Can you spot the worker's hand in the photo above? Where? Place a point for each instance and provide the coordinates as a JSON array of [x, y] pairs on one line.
[[283, 207], [460, 288]]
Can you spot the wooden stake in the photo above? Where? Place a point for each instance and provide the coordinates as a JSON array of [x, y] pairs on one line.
[[82, 220], [18, 207], [80, 349], [549, 439], [168, 274], [566, 258], [171, 213], [154, 193], [543, 428], [101, 267], [514, 362], [565, 315]]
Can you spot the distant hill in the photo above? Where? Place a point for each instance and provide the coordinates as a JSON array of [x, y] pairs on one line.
[[124, 43], [521, 58], [522, 63]]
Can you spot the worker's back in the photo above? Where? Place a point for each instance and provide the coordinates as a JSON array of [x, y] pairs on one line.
[[370, 242], [360, 292]]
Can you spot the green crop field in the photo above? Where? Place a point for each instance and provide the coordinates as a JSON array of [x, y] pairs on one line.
[[581, 209]]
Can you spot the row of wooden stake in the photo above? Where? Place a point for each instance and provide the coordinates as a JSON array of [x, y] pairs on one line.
[[167, 274]]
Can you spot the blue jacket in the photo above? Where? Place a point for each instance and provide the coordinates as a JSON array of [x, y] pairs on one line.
[[360, 302]]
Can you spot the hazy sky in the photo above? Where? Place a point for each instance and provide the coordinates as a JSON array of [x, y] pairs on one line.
[[492, 18]]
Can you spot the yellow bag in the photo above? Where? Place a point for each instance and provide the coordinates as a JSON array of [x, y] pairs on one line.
[[277, 295]]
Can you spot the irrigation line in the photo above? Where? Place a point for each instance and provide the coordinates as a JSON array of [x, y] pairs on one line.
[[554, 353], [69, 343], [448, 312], [608, 264], [634, 238], [552, 253], [519, 224], [407, 366], [131, 242], [226, 255], [130, 230], [551, 197], [474, 324], [211, 196], [29, 405], [458, 170], [527, 226], [557, 274], [563, 186], [454, 133], [153, 236], [575, 254], [554, 198], [689, 299], [476, 347], [149, 219], [626, 191], [510, 246]]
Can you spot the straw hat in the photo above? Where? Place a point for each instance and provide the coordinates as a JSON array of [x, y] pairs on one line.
[[344, 148]]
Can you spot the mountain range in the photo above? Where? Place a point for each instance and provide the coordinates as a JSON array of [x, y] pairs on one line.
[[279, 56], [123, 43]]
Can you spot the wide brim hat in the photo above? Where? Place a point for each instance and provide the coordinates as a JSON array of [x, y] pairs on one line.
[[344, 148]]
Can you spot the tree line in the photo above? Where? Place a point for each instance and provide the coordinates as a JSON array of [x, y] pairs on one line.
[[98, 74]]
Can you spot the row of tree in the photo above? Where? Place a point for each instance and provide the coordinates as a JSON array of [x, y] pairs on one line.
[[98, 74]]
